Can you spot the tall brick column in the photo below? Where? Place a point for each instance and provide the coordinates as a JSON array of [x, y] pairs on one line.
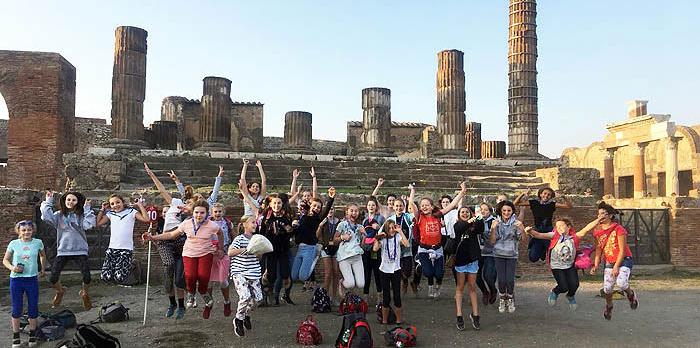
[[297, 132], [451, 104], [522, 80], [609, 172], [376, 122], [493, 149], [215, 124], [128, 87], [472, 140], [640, 179]]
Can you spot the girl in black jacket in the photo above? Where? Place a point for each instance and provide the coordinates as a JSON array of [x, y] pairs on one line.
[[466, 265]]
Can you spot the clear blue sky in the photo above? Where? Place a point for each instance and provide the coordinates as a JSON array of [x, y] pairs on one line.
[[318, 55]]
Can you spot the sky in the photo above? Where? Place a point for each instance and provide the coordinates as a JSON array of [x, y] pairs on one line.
[[317, 56]]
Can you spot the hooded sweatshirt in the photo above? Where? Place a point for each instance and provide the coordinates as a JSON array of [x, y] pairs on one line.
[[507, 238], [70, 229]]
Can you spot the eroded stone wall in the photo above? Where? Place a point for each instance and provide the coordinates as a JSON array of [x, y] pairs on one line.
[[91, 132]]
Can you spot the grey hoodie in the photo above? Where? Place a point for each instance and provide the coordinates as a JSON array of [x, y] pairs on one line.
[[70, 230], [507, 238]]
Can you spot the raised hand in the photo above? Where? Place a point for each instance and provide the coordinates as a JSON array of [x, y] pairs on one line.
[[380, 181], [258, 164], [172, 175], [88, 203], [148, 170], [463, 186], [49, 194], [221, 171], [295, 173], [105, 206], [312, 172], [331, 192], [245, 162]]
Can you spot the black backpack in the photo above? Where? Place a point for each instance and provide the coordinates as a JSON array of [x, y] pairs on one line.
[[355, 332], [90, 336], [50, 330], [380, 317], [113, 313], [320, 301], [66, 317]]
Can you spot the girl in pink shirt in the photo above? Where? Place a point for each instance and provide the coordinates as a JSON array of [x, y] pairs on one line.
[[198, 251]]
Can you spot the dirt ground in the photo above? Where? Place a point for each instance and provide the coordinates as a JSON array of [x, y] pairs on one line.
[[668, 316]]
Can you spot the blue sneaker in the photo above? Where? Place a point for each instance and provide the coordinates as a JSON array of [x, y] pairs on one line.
[[171, 311], [552, 298], [180, 313], [572, 303]]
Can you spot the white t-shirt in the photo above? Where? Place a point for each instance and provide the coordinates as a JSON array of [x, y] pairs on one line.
[[391, 254], [450, 219], [122, 228], [171, 219]]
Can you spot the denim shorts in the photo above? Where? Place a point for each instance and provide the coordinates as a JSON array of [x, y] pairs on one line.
[[472, 268], [626, 262]]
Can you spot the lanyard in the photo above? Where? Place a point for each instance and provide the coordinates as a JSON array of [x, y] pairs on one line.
[[388, 249], [196, 228]]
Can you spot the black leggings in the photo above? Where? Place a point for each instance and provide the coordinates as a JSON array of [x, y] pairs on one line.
[[567, 281], [391, 281], [370, 266], [60, 261], [277, 262]]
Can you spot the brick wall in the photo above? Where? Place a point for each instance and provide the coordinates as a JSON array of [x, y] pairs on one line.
[[39, 90], [3, 140], [684, 237]]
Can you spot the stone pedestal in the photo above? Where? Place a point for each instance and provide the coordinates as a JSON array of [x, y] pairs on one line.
[[297, 132], [164, 134], [636, 108], [493, 149], [640, 180], [451, 104], [376, 122], [472, 139], [128, 88], [522, 80], [215, 124], [671, 165], [609, 173]]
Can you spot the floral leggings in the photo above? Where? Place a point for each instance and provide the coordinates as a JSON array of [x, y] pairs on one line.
[[249, 292]]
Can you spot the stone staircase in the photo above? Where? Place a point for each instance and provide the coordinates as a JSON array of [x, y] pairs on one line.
[[346, 174]]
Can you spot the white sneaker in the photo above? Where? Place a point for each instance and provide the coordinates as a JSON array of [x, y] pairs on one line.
[[436, 291], [191, 301], [511, 305], [501, 305], [431, 291]]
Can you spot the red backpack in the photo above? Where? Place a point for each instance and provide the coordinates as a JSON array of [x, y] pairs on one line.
[[308, 333], [401, 337], [352, 304]]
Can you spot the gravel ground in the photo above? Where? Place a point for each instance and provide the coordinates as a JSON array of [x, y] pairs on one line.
[[668, 316]]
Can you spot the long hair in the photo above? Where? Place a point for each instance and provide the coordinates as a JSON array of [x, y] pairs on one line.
[[79, 209], [500, 206], [614, 213]]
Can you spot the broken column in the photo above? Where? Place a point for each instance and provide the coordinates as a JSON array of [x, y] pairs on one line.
[[472, 139], [522, 80], [164, 135], [493, 149], [451, 103], [128, 87], [297, 132], [376, 122], [215, 124]]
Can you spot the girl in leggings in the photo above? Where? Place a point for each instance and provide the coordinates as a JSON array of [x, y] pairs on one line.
[[405, 221], [276, 225], [170, 251], [506, 232], [198, 251], [73, 219], [486, 281], [430, 252], [371, 259], [348, 236], [390, 240]]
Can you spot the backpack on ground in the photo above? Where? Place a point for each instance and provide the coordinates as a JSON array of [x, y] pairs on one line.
[[134, 276], [90, 336], [352, 303], [401, 337], [355, 332], [66, 317], [380, 318], [113, 313], [308, 333], [50, 330], [320, 301]]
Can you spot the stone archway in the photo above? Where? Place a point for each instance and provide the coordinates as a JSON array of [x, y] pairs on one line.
[[39, 90]]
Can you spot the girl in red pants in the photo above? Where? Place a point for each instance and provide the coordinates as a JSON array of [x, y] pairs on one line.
[[198, 251]]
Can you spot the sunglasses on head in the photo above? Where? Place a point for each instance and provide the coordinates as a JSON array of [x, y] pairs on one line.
[[25, 223]]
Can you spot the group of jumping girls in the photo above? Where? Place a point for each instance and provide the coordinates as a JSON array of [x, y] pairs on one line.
[[399, 243]]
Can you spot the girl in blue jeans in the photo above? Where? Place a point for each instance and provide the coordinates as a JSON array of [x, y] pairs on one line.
[[20, 259], [305, 230]]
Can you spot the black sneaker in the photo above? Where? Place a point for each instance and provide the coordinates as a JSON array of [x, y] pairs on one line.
[[247, 323], [288, 299], [475, 321], [238, 327], [16, 342], [460, 323], [634, 302]]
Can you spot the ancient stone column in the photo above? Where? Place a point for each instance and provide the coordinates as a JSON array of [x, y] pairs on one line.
[[609, 172], [640, 179], [522, 80], [472, 140], [671, 169], [297, 132], [493, 149], [128, 88], [376, 122], [636, 108], [164, 134], [215, 124], [451, 104]]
